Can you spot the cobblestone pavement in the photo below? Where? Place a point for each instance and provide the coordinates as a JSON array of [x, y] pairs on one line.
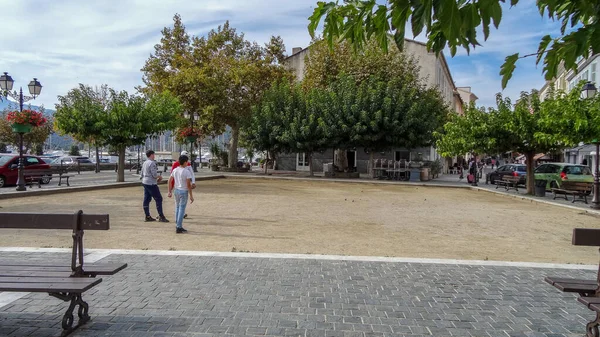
[[248, 296]]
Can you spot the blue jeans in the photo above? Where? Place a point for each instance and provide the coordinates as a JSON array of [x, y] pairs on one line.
[[152, 191], [181, 198]]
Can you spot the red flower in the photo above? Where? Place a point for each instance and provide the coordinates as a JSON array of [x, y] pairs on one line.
[[189, 132], [34, 118]]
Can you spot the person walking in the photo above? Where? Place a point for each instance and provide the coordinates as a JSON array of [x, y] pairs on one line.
[[189, 167], [150, 180], [181, 186]]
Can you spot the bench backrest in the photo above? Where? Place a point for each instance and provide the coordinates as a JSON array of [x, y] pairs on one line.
[[510, 178], [586, 237], [576, 186], [77, 221]]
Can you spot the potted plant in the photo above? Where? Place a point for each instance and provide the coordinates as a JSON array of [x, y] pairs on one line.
[[23, 121]]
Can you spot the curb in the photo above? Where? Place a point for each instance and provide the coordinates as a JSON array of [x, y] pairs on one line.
[[99, 253], [40, 192], [540, 201]]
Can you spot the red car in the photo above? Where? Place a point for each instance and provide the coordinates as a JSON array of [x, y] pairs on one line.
[[9, 172]]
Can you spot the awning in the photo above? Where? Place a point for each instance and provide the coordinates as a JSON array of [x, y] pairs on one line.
[[541, 156]]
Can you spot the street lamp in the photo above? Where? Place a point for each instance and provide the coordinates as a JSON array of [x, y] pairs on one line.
[[35, 88], [193, 117], [589, 91]]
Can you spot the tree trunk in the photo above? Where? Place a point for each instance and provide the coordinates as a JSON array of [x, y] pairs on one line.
[[121, 170], [341, 160], [266, 164], [371, 171], [97, 160], [530, 173], [310, 164], [233, 146]]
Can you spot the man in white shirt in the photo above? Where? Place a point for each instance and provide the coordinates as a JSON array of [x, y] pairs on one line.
[[181, 182], [189, 167]]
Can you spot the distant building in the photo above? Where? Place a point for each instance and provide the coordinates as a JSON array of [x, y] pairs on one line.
[[433, 70]]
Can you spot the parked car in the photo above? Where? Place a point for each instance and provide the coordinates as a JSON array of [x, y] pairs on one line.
[[9, 172], [515, 170], [71, 160], [556, 173]]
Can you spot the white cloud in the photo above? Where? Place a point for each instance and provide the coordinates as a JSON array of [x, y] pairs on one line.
[[66, 42]]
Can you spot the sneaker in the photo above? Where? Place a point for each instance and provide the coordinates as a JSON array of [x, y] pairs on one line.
[[181, 230], [163, 219], [185, 216], [150, 219]]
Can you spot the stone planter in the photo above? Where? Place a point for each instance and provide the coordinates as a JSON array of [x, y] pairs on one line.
[[214, 167]]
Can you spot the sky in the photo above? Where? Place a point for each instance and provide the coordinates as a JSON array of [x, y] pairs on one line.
[[66, 42]]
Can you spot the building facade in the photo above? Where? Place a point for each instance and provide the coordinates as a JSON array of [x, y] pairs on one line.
[[435, 73]]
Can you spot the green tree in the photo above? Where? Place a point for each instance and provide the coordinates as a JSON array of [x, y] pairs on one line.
[[130, 119], [528, 127], [303, 125], [79, 114], [74, 151], [264, 130], [361, 118], [116, 119], [456, 24], [3, 148], [221, 76]]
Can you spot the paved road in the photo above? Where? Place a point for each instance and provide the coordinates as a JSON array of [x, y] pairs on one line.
[[89, 178], [227, 296]]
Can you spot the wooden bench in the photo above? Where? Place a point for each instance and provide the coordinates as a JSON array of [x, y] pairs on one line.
[[509, 182], [38, 176], [577, 189], [588, 289], [66, 281]]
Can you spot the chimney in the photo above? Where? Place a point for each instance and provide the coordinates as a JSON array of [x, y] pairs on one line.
[[296, 50]]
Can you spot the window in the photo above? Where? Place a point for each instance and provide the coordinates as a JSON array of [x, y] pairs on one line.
[[31, 161], [541, 169], [522, 168], [577, 170]]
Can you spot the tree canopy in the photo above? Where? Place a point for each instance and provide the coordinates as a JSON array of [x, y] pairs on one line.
[[114, 118], [220, 76], [530, 126], [456, 24]]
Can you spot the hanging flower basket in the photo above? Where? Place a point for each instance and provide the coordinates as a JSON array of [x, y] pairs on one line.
[[189, 134], [23, 121], [21, 128]]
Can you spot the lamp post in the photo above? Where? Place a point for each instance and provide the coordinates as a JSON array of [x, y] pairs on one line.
[[193, 117], [35, 88], [589, 91]]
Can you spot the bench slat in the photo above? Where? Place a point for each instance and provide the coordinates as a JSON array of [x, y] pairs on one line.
[[589, 300], [53, 221], [575, 287], [23, 279], [586, 237], [89, 269], [72, 287], [553, 280]]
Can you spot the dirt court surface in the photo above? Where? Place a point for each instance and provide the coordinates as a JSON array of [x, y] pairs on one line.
[[279, 216]]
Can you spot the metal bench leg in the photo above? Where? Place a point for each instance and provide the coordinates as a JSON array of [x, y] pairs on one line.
[[592, 327], [68, 318]]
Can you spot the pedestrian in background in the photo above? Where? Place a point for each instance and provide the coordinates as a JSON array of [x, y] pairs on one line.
[[150, 180], [182, 187]]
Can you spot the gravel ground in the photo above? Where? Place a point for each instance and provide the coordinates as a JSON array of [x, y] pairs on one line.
[[325, 218]]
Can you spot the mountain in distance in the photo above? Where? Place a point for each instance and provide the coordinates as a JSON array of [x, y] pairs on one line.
[[12, 105]]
